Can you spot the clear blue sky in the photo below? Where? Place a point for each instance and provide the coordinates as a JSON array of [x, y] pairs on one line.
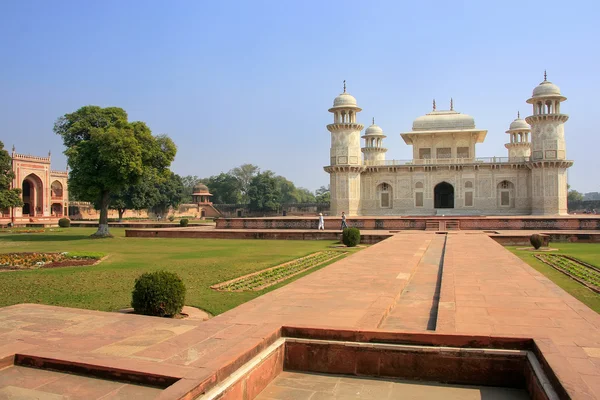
[[250, 82]]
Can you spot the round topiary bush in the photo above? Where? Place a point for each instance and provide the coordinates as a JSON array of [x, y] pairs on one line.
[[536, 241], [184, 222], [160, 294], [64, 222], [351, 237]]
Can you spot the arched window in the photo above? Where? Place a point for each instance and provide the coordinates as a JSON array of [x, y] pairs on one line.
[[57, 189], [419, 194], [468, 194], [384, 191], [506, 194]]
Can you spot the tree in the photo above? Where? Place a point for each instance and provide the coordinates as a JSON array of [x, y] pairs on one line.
[[263, 193], [107, 154], [225, 188], [305, 195], [169, 193], [291, 194], [135, 197], [323, 195], [287, 190], [8, 197], [574, 195], [244, 173]]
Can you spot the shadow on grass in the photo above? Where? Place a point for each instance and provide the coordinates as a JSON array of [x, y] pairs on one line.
[[39, 237]]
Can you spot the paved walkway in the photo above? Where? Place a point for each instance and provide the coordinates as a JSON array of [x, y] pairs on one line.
[[484, 290], [416, 308], [301, 386]]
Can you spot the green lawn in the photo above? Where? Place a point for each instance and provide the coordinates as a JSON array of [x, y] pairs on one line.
[[107, 286], [588, 252]]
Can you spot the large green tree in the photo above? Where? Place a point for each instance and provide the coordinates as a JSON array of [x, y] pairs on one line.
[[263, 193], [305, 196], [225, 188], [574, 195], [107, 154], [8, 197], [292, 194], [169, 193], [139, 196], [323, 195], [245, 173]]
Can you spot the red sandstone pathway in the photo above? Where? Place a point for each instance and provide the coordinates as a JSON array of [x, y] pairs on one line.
[[485, 290], [416, 308]]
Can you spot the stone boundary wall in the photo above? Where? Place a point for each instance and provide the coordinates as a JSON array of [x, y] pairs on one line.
[[295, 209], [416, 223]]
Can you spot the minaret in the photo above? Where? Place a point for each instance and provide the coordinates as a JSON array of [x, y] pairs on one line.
[[519, 147], [548, 151], [345, 158], [374, 150]]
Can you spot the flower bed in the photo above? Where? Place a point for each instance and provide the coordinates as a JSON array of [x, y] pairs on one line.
[[21, 261], [271, 276], [582, 272]]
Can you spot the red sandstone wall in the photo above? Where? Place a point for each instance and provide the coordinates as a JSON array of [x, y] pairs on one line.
[[483, 223]]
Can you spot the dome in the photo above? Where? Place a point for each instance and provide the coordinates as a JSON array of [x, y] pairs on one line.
[[374, 130], [443, 120], [519, 125], [344, 100], [200, 188], [546, 89]]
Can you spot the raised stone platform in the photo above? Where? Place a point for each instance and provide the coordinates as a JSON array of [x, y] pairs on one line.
[[367, 237], [571, 222]]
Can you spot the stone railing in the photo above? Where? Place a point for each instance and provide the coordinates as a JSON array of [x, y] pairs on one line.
[[59, 173], [438, 161], [28, 157]]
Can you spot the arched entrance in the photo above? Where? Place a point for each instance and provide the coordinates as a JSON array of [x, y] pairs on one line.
[[443, 195], [57, 210], [33, 196]]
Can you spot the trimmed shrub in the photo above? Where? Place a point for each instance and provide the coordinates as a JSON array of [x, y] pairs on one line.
[[184, 222], [536, 241], [171, 218], [160, 294], [64, 222], [351, 237]]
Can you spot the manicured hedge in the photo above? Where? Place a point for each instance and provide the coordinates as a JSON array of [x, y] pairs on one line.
[[536, 241], [351, 237], [160, 294], [64, 222]]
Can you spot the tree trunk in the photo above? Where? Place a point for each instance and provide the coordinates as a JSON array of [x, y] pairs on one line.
[[121, 212], [103, 223]]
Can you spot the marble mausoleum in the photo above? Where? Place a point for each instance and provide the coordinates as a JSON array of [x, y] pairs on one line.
[[445, 176]]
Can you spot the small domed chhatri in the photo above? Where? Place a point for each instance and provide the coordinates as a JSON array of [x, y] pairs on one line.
[[345, 100], [519, 124], [200, 188], [445, 171], [374, 130], [546, 89]]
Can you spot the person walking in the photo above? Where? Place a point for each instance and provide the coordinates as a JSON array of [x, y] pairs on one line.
[[344, 226], [321, 222]]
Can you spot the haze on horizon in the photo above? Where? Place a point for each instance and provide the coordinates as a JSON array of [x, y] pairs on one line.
[[251, 82]]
